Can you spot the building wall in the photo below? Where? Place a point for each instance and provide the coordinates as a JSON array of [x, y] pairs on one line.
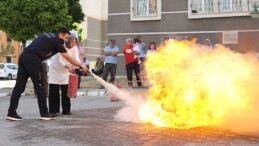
[[15, 44], [175, 21], [95, 27]]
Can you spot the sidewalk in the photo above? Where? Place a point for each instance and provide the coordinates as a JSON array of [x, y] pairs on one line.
[[89, 87], [81, 92]]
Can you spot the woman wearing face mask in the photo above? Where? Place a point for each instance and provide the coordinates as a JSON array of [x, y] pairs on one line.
[[59, 71]]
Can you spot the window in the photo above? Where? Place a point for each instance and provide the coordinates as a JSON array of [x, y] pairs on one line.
[[1, 66], [9, 40], [230, 5], [9, 66], [220, 8], [142, 10], [202, 6]]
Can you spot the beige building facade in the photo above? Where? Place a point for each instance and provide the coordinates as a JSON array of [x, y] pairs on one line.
[[95, 27]]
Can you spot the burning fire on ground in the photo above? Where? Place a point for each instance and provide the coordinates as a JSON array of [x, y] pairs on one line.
[[193, 86]]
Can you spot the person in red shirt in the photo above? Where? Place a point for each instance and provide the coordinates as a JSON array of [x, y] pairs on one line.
[[131, 63]]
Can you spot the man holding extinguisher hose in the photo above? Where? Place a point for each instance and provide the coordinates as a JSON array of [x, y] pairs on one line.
[[30, 65]]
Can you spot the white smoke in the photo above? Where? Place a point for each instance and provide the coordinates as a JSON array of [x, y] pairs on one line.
[[129, 113]]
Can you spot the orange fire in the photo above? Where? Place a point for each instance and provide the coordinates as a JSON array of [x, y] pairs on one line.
[[193, 86]]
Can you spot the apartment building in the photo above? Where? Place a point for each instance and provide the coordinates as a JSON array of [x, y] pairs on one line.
[[4, 41], [227, 22], [95, 27]]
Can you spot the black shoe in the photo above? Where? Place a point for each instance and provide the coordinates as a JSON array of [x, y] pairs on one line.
[[48, 117], [13, 117], [66, 113]]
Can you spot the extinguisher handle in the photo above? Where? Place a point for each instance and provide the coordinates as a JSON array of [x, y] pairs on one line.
[[81, 71]]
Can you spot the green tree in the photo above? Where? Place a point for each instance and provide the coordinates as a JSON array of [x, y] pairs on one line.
[[24, 19], [75, 10], [79, 29]]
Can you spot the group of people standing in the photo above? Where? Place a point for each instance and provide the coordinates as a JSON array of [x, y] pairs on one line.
[[134, 54], [63, 47]]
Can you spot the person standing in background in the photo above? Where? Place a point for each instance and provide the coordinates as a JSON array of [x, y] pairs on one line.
[[110, 66], [151, 48], [131, 63], [207, 43], [136, 49], [142, 49]]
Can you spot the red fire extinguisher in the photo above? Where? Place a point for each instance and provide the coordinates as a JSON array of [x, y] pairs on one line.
[[72, 86]]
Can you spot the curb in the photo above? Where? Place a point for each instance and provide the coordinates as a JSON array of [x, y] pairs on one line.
[[91, 92], [3, 94], [86, 92]]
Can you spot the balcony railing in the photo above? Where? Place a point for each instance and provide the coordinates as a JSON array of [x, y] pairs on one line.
[[220, 8]]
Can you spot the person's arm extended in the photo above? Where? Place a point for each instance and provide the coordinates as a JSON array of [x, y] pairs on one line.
[[73, 61]]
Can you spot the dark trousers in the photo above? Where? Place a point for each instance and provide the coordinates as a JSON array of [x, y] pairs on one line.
[[133, 66], [45, 79], [29, 66], [109, 68], [54, 99], [79, 73]]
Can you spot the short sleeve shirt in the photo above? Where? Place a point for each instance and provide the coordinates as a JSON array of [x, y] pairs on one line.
[[141, 50], [111, 59], [46, 45]]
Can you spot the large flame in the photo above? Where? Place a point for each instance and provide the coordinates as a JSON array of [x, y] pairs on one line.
[[193, 86]]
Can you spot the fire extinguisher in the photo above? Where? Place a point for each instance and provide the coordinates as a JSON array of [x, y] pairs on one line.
[[72, 86]]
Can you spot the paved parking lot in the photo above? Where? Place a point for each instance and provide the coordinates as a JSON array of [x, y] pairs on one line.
[[92, 124]]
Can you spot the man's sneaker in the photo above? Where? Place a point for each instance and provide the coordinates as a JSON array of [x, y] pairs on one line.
[[48, 117], [53, 115], [13, 117]]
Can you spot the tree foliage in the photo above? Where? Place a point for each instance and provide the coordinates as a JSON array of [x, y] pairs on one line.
[[24, 19], [79, 29], [75, 10]]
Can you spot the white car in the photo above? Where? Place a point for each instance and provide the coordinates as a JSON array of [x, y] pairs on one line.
[[8, 71]]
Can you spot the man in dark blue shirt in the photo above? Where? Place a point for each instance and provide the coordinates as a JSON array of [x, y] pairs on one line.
[[30, 65]]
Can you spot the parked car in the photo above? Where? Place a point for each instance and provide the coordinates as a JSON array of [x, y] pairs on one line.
[[8, 71]]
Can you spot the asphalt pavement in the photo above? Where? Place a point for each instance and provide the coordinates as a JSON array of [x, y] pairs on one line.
[[93, 124]]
